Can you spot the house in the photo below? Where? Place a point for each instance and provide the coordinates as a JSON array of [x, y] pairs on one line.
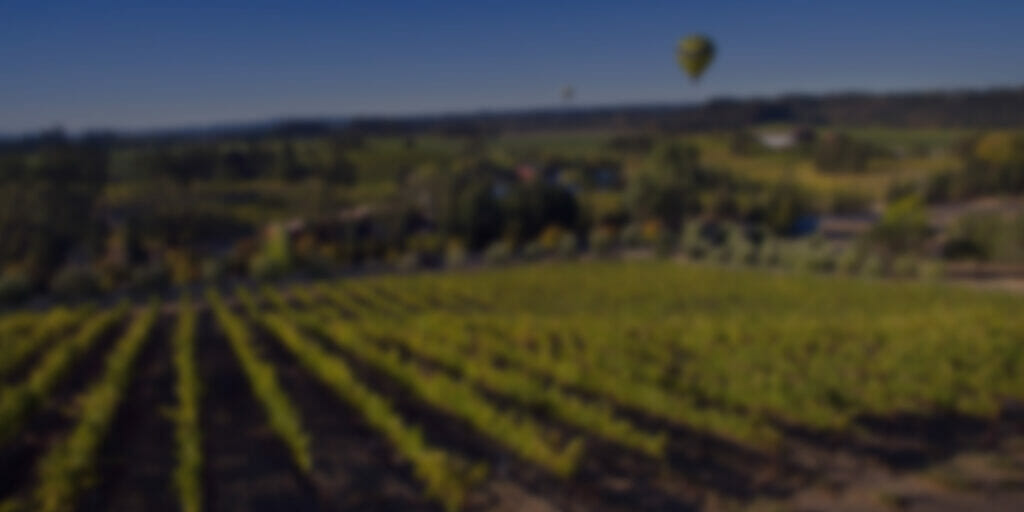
[[777, 140], [785, 139], [526, 173]]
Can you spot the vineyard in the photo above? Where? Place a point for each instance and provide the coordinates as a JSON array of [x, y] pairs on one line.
[[585, 386]]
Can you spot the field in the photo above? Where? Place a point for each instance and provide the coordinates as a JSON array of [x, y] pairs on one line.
[[383, 163], [560, 386], [769, 167]]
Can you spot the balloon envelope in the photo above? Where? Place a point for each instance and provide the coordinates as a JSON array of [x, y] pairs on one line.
[[694, 53]]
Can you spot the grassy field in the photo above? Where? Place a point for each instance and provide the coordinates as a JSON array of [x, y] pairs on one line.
[[772, 166], [383, 166], [579, 386]]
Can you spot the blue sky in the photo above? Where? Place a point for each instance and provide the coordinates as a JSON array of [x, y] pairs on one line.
[[138, 65]]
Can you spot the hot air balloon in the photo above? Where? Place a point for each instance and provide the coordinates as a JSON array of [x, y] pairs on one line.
[[567, 93], [694, 53]]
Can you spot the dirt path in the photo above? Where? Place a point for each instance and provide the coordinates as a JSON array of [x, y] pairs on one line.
[[247, 469], [969, 481], [137, 460], [1005, 284], [355, 468]]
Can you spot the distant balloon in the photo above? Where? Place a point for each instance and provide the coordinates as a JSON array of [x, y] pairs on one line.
[[694, 54], [567, 93]]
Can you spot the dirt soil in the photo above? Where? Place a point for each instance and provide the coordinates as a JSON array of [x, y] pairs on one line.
[[912, 463], [137, 460], [246, 468]]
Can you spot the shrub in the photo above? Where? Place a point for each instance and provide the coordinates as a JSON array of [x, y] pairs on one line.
[[213, 269], [241, 254], [986, 236], [739, 248], [873, 266], [75, 282], [692, 241], [840, 152], [408, 261], [314, 258], [961, 247], [905, 266], [653, 233], [152, 277], [930, 270], [902, 189], [568, 244], [771, 252], [903, 227], [744, 143], [181, 265], [943, 187], [318, 263], [112, 274], [15, 286], [847, 202], [428, 248], [784, 205], [848, 262], [263, 267], [632, 235], [823, 261], [602, 239], [455, 253], [274, 258], [809, 256], [665, 245], [550, 238], [535, 250], [499, 252]]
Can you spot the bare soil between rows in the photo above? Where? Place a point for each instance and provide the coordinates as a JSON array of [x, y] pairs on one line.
[[138, 458], [53, 418], [246, 466]]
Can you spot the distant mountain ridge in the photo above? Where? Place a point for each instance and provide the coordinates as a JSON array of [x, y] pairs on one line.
[[988, 108]]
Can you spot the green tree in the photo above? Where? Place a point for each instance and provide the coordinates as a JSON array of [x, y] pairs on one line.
[[48, 203], [478, 217], [666, 186], [465, 201], [184, 166], [533, 207], [903, 227], [289, 166], [339, 170], [784, 204], [838, 152]]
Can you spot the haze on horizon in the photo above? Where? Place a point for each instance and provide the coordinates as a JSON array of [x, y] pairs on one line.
[[126, 67]]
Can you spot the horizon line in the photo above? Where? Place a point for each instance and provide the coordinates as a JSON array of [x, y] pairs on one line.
[[341, 119]]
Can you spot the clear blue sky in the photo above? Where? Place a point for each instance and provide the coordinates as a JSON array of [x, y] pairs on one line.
[[128, 65]]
